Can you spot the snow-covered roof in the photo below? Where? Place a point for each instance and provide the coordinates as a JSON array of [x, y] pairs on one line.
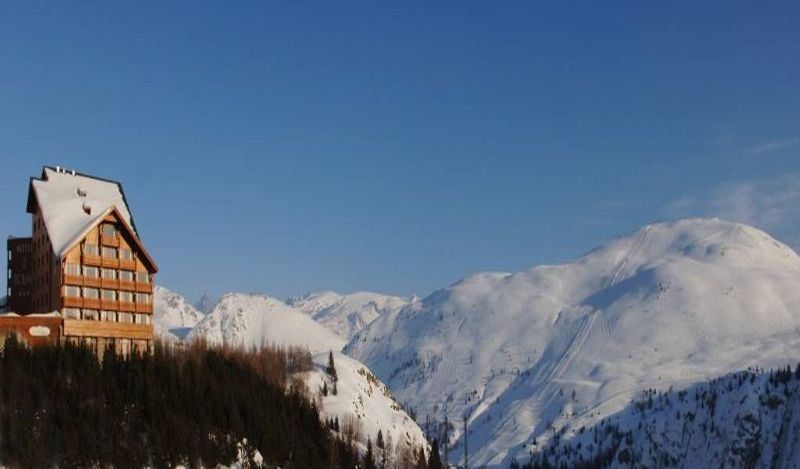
[[72, 203]]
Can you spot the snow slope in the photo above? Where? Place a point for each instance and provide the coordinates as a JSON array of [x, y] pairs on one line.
[[252, 320], [362, 395], [173, 316], [347, 314], [526, 354], [745, 419]]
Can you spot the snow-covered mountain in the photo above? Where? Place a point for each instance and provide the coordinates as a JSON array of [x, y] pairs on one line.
[[526, 354], [173, 316], [745, 419], [252, 320], [347, 314], [361, 395]]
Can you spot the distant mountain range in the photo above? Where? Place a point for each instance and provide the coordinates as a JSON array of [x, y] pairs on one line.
[[531, 357]]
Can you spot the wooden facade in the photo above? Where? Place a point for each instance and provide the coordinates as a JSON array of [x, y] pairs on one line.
[[101, 282]]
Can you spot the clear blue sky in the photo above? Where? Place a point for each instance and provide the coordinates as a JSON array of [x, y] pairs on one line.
[[291, 146]]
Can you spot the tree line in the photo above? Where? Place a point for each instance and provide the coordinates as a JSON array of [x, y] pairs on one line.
[[61, 406]]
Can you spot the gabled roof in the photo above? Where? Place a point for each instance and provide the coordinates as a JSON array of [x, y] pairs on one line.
[[73, 203]]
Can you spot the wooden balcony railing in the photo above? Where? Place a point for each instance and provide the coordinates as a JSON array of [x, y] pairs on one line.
[[128, 285], [144, 287], [89, 328], [109, 283], [91, 259], [92, 281], [127, 306], [92, 303], [144, 308], [127, 264], [73, 279], [110, 262], [109, 305], [72, 302]]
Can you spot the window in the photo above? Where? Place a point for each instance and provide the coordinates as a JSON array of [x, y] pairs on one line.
[[143, 277], [90, 314], [109, 230], [110, 253], [72, 292], [93, 272], [91, 293], [72, 269], [126, 254], [110, 274], [72, 313], [91, 250], [125, 317], [143, 298], [126, 296], [142, 319], [126, 275], [110, 295], [108, 316]]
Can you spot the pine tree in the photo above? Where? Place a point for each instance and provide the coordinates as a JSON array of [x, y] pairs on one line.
[[421, 464], [369, 457], [325, 388], [331, 370], [435, 461]]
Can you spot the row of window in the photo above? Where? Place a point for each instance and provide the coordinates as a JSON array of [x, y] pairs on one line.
[[108, 252], [110, 274], [109, 316], [110, 295]]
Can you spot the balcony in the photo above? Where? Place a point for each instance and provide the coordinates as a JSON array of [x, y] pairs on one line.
[[127, 264], [73, 280], [89, 328], [127, 306], [144, 308], [92, 303], [92, 281], [109, 283], [127, 285], [72, 302], [144, 287], [106, 240], [92, 259], [109, 305], [110, 262]]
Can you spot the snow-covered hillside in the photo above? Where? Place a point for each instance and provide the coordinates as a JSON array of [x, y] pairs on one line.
[[363, 396], [252, 320], [347, 314], [525, 354], [173, 316], [745, 419]]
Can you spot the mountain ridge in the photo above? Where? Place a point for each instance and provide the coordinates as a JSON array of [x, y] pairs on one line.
[[671, 303]]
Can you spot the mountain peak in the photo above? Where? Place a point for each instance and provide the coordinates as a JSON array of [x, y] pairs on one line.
[[529, 352]]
